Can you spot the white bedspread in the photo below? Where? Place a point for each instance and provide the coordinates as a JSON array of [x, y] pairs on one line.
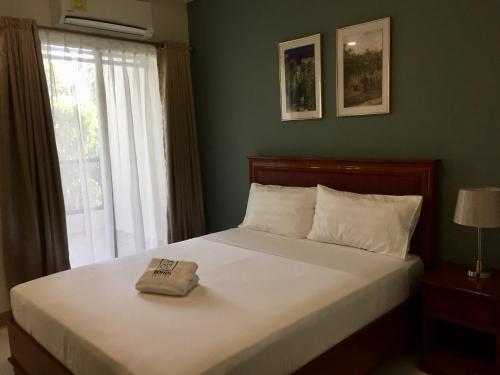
[[266, 304]]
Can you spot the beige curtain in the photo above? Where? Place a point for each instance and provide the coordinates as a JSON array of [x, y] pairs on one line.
[[186, 217], [33, 236]]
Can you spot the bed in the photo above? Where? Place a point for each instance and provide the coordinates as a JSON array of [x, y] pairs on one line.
[[266, 304]]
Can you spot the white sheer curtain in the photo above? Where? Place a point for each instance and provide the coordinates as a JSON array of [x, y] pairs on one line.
[[107, 114]]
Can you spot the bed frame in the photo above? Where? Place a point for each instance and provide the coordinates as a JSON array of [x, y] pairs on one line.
[[370, 346]]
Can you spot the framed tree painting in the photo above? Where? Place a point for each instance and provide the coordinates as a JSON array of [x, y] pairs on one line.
[[300, 78], [363, 53]]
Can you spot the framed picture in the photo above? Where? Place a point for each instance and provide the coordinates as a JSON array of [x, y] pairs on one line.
[[300, 78], [363, 54]]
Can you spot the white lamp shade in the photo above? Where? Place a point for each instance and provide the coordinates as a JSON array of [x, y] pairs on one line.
[[478, 207]]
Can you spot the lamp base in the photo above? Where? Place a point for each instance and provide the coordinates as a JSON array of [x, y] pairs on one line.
[[479, 275], [479, 272]]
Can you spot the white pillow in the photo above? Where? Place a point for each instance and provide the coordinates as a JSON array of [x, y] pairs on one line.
[[283, 210], [379, 223]]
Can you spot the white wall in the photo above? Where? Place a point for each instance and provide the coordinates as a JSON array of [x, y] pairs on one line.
[[170, 20], [169, 16], [169, 23], [39, 10]]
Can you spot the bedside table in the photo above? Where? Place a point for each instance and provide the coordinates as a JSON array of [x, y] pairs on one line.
[[461, 322]]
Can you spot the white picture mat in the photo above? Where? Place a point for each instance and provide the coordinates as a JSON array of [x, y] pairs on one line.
[[384, 24], [313, 39]]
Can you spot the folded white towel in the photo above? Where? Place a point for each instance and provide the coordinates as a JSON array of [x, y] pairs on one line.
[[165, 276]]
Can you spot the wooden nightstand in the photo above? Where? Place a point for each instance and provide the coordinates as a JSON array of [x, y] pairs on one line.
[[461, 322]]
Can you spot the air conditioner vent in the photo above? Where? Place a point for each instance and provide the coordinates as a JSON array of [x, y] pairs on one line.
[[132, 18]]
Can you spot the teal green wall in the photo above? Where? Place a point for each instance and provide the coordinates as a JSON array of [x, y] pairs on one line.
[[445, 96]]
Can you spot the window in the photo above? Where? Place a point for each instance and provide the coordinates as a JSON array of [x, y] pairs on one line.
[[108, 122]]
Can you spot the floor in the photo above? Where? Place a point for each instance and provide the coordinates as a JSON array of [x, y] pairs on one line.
[[5, 368], [403, 365]]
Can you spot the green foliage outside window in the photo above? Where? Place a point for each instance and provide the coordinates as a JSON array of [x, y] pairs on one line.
[[76, 123]]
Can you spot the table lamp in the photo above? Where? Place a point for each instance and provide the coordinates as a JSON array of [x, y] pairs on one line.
[[479, 208]]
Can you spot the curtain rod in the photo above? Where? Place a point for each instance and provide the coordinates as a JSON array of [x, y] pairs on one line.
[[155, 44]]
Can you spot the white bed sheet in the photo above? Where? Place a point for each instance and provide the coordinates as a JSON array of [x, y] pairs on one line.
[[266, 304]]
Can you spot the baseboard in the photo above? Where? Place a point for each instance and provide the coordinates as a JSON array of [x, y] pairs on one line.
[[4, 317]]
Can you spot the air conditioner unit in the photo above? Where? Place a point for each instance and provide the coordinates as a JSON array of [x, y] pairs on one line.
[[125, 18]]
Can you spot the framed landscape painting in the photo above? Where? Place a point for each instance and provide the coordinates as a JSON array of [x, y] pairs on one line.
[[363, 54], [300, 78]]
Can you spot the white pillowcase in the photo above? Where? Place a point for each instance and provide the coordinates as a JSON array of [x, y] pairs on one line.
[[283, 210], [378, 223]]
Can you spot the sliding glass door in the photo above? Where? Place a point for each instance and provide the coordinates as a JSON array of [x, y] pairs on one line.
[[107, 116]]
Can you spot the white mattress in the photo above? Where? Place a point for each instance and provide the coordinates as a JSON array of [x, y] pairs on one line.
[[266, 304]]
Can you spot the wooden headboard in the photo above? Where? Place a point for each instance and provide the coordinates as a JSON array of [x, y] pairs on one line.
[[393, 177]]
